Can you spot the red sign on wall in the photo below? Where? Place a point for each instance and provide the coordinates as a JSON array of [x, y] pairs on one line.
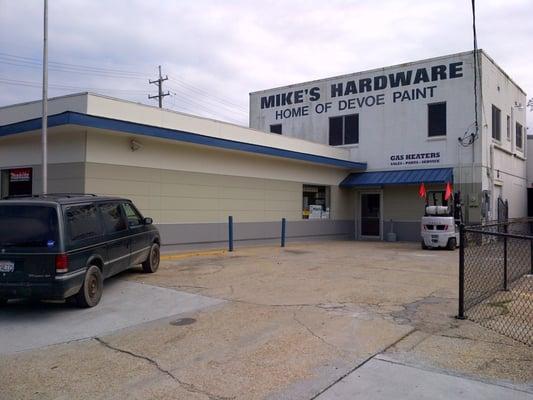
[[20, 175]]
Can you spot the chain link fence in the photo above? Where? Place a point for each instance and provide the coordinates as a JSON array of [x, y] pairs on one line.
[[496, 277]]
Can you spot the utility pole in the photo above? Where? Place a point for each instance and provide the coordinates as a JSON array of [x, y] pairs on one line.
[[44, 142], [159, 83]]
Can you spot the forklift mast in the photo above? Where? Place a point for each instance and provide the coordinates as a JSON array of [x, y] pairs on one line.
[[436, 198]]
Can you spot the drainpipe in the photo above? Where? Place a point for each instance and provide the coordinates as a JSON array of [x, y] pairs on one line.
[[492, 200]]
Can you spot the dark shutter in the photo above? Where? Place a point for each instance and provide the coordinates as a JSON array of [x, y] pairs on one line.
[[496, 123], [275, 129], [519, 136], [351, 129], [437, 119], [335, 131]]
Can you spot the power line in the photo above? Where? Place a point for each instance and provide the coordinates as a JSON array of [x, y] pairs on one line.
[[72, 71], [34, 61], [190, 90], [16, 82], [187, 104], [203, 92], [208, 101]]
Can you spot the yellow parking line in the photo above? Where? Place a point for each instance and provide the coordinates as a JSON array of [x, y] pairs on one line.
[[179, 256]]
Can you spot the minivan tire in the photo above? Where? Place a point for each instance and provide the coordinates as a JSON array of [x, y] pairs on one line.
[[3, 301], [152, 262], [91, 289]]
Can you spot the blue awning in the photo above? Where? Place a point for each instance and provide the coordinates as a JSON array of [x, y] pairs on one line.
[[398, 177], [91, 121]]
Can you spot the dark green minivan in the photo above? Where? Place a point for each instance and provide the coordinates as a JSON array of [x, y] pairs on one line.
[[61, 246]]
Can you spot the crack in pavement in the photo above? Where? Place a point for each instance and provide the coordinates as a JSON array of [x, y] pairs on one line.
[[359, 365], [295, 318], [188, 386]]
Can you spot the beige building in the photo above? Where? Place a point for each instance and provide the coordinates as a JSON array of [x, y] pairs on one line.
[[188, 173]]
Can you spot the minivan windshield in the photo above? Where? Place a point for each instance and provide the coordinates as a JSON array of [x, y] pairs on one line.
[[28, 226]]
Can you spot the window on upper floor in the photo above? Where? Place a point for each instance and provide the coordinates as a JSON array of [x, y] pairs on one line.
[[508, 128], [344, 130], [519, 136], [436, 119], [496, 123]]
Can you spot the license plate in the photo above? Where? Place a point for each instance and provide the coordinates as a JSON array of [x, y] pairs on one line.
[[7, 266]]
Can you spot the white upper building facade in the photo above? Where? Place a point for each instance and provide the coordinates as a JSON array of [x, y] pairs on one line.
[[412, 116]]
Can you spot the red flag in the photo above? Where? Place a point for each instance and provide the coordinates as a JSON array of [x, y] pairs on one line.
[[448, 192], [422, 190]]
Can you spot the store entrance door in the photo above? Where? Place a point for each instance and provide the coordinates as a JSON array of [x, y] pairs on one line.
[[371, 215]]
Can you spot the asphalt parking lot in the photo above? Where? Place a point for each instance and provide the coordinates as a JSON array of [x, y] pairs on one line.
[[326, 320]]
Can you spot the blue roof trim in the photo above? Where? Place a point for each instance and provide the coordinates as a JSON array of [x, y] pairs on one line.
[[398, 177], [74, 118]]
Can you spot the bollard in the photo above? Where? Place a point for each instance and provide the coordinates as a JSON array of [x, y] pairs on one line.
[[230, 233], [283, 224], [461, 314]]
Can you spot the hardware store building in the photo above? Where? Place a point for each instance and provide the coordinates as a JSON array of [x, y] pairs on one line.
[[405, 122], [345, 160]]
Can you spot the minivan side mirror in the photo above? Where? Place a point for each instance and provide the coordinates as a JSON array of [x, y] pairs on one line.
[[148, 221]]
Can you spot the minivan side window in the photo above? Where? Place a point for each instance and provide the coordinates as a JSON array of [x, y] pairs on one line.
[[83, 222], [112, 217], [134, 218]]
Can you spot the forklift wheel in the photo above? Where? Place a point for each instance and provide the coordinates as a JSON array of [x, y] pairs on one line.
[[423, 245], [452, 244]]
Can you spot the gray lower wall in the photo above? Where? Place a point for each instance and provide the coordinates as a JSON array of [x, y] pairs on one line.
[[406, 231], [186, 234]]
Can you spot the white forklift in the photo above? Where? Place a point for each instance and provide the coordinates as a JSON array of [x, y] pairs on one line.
[[440, 223]]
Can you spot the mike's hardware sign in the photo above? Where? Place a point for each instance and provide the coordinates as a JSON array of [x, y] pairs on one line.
[[359, 94]]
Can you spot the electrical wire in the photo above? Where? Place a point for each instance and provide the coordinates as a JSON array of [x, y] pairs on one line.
[[16, 82], [186, 85], [469, 138], [475, 67], [192, 105], [196, 97], [37, 62], [207, 101]]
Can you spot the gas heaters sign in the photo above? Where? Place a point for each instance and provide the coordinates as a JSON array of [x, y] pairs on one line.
[[415, 158], [354, 94]]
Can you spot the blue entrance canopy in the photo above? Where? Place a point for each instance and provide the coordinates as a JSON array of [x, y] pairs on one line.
[[398, 177]]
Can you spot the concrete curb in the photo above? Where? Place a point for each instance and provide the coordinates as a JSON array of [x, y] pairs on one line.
[[179, 256]]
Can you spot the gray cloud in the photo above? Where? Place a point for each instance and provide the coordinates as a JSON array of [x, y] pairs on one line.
[[217, 52]]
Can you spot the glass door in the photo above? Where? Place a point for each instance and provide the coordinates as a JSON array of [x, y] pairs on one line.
[[371, 214]]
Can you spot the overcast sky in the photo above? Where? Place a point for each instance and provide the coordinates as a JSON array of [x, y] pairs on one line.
[[216, 52]]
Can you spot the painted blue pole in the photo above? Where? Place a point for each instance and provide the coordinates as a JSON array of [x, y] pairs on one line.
[[230, 232], [283, 224]]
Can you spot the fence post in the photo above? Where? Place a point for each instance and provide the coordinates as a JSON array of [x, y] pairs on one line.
[[531, 255], [230, 233], [505, 263], [461, 314], [283, 224]]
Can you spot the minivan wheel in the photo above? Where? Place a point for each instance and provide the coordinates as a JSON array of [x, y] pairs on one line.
[[3, 301], [423, 245], [152, 262], [92, 288], [452, 244]]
